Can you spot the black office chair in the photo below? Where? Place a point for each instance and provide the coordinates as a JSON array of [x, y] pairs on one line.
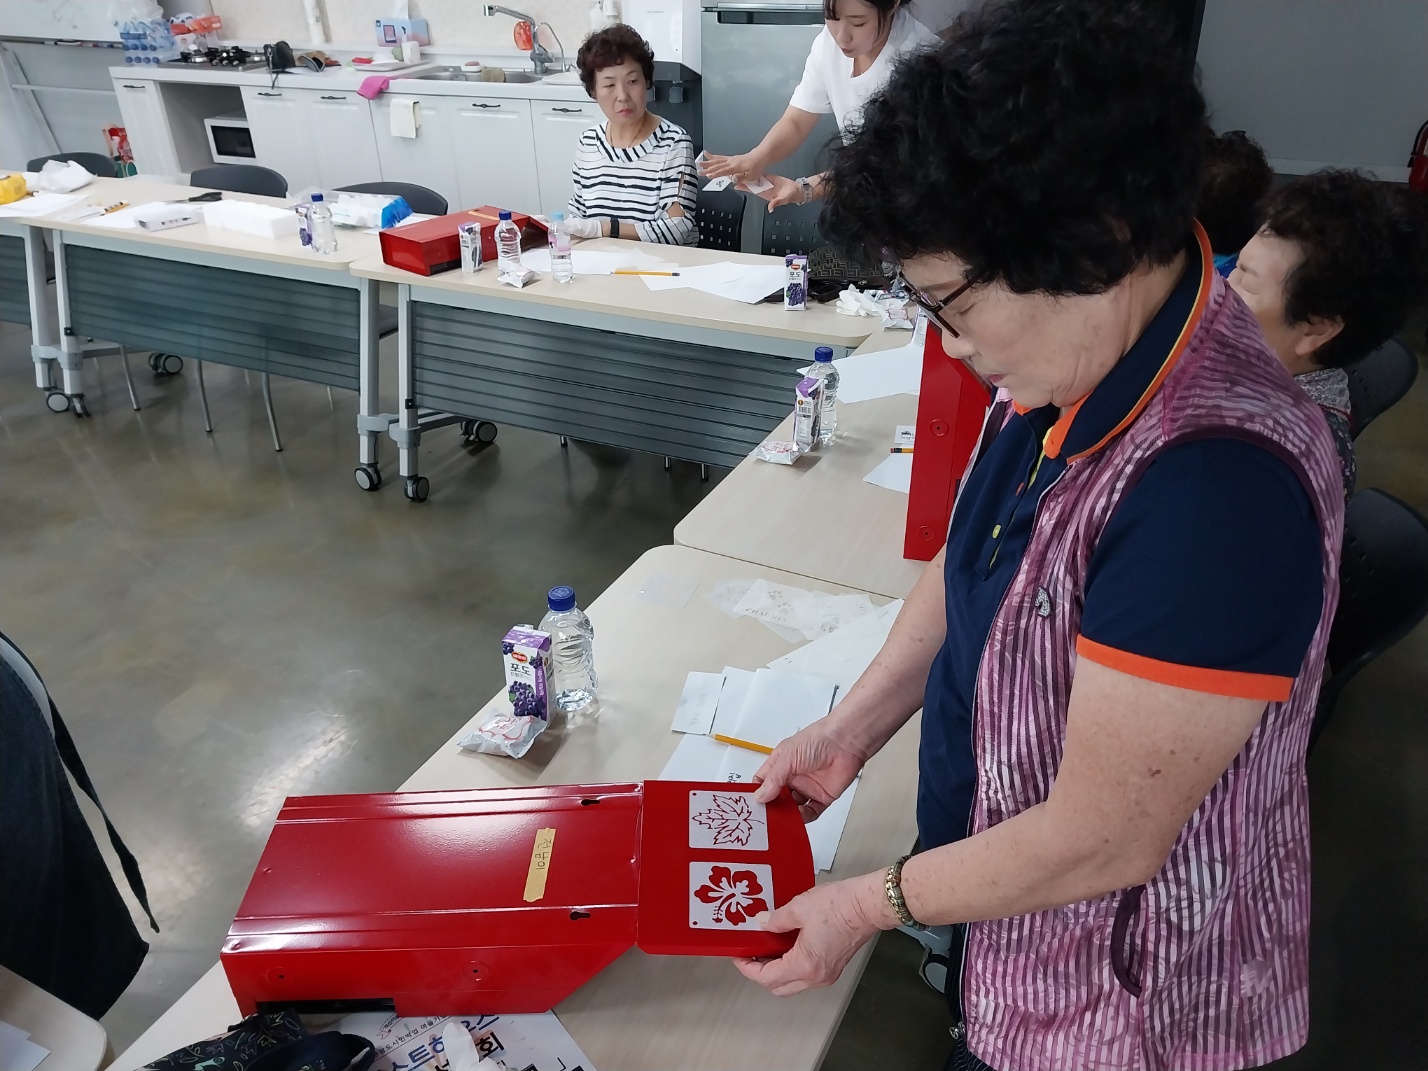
[[241, 178], [792, 229], [427, 202], [1379, 380], [721, 219], [96, 163], [1383, 590]]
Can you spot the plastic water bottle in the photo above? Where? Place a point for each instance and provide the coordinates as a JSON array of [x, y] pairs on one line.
[[824, 369], [572, 658], [508, 245], [562, 270], [324, 235]]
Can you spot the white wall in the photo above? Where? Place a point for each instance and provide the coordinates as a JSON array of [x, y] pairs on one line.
[[1319, 82]]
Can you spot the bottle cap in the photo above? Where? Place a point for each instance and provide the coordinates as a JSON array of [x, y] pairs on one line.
[[505, 214], [561, 599], [316, 197], [556, 217], [823, 354]]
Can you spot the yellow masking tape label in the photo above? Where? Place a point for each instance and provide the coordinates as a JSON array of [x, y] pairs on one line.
[[540, 864]]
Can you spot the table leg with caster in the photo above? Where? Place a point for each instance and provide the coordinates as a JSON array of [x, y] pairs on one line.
[[203, 398], [407, 430], [370, 423], [71, 352]]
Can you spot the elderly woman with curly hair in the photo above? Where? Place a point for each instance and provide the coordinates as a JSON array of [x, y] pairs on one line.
[[1118, 652], [634, 174]]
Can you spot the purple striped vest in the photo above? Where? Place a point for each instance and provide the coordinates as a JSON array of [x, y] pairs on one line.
[[1206, 967]]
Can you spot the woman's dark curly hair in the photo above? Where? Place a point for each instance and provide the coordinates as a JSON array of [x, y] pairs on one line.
[[611, 47], [1235, 179], [1365, 250], [1054, 145]]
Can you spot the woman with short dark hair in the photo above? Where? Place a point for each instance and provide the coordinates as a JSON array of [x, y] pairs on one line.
[[1118, 652], [1333, 274], [634, 174]]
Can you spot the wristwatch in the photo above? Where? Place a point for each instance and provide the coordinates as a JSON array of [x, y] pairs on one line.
[[892, 887], [807, 187], [614, 227]]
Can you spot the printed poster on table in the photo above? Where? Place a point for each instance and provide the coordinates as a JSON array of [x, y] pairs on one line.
[[509, 1042]]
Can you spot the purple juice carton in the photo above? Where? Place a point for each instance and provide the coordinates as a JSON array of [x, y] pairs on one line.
[[807, 413], [795, 287], [526, 653]]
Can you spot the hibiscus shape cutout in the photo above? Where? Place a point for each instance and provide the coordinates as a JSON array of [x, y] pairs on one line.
[[735, 895]]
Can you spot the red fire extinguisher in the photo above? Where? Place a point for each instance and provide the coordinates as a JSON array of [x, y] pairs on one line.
[[1418, 162]]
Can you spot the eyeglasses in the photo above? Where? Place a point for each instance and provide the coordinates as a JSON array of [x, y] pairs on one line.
[[932, 306]]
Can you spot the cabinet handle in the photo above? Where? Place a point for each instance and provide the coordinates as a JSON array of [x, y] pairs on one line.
[[496, 106], [264, 93], [128, 86], [338, 96], [570, 111]]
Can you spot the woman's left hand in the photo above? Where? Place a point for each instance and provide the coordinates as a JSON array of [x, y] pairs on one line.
[[784, 191], [833, 921]]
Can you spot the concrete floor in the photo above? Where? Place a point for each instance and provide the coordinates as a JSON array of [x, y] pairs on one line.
[[223, 626]]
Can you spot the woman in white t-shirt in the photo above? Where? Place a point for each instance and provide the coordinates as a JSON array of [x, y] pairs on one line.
[[849, 61]]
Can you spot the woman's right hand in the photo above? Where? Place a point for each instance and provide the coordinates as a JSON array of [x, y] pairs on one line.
[[746, 166], [816, 764]]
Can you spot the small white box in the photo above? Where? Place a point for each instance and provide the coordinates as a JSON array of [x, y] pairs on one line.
[[165, 217]]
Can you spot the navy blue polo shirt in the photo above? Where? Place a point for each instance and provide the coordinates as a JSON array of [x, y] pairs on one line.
[[1208, 575]]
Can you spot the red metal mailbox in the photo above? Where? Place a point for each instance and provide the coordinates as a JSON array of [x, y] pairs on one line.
[[505, 900]]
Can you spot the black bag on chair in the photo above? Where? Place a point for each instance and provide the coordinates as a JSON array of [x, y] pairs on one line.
[[271, 1041], [63, 924]]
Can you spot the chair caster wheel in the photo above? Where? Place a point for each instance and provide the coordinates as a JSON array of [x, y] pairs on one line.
[[368, 477], [172, 364], [417, 488], [57, 401], [155, 361], [478, 431]]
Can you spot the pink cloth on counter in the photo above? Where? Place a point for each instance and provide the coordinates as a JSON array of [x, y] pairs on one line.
[[372, 86]]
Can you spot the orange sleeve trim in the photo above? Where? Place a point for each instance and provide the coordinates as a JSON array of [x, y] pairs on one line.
[[1265, 686]]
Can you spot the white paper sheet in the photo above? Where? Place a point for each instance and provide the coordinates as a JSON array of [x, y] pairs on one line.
[[40, 204], [893, 472], [405, 117], [865, 376], [695, 758], [844, 655], [526, 1041], [698, 703], [749, 283], [665, 590], [731, 700], [825, 831], [17, 1051], [780, 703], [125, 219], [798, 614]]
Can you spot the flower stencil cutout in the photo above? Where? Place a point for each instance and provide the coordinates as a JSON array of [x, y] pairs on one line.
[[734, 896], [727, 820]]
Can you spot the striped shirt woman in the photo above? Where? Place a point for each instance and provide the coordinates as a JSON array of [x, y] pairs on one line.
[[634, 174], [639, 183]]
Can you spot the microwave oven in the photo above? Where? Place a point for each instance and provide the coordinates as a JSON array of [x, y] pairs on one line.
[[230, 140]]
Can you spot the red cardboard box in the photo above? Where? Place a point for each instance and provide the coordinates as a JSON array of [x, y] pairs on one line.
[[506, 900], [434, 246]]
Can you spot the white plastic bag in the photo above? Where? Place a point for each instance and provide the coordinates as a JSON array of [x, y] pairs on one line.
[[66, 177]]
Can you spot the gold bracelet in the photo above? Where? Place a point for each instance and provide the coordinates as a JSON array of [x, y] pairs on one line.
[[892, 887]]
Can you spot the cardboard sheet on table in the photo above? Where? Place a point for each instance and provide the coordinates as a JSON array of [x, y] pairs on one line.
[[893, 472], [40, 204], [843, 655], [780, 703], [865, 376]]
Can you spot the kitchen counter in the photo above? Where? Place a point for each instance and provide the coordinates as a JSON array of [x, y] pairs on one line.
[[340, 79]]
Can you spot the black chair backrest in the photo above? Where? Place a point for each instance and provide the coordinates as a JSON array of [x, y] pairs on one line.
[[792, 229], [1379, 380], [241, 178], [96, 163], [427, 202], [1383, 589], [721, 219]]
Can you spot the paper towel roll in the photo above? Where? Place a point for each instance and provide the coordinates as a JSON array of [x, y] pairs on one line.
[[405, 117]]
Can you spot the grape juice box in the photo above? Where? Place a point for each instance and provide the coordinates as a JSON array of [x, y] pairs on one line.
[[795, 287], [526, 653]]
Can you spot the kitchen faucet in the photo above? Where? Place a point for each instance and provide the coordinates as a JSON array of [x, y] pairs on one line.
[[540, 58]]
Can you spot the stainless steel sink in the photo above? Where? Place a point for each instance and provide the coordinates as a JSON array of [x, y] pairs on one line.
[[458, 74]]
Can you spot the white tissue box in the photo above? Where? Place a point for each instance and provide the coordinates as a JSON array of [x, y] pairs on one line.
[[263, 221]]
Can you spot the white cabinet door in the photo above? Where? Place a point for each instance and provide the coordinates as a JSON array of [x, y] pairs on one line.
[[141, 106], [278, 120], [425, 159], [495, 156], [340, 126], [558, 127]]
